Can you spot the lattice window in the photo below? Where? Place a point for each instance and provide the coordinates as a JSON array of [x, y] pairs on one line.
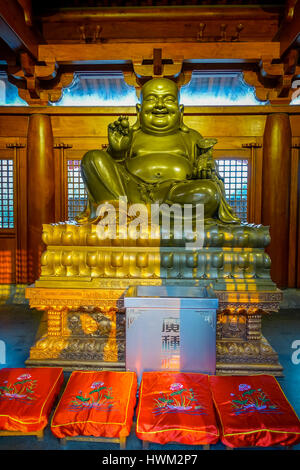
[[6, 194], [236, 178], [76, 192]]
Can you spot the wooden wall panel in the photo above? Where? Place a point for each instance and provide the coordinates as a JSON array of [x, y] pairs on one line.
[[295, 124], [227, 126], [14, 126], [208, 126], [79, 126], [7, 259]]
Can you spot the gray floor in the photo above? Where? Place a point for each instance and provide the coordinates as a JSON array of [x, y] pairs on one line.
[[18, 327]]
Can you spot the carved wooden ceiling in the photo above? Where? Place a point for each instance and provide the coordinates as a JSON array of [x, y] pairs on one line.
[[42, 44], [50, 5]]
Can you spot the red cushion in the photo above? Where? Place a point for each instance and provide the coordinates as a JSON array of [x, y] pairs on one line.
[[176, 407], [26, 397], [99, 404], [254, 411]]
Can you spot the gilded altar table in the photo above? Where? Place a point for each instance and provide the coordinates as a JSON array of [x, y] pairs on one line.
[[85, 328]]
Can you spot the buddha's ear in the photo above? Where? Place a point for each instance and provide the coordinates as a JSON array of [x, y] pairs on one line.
[[183, 127], [137, 124]]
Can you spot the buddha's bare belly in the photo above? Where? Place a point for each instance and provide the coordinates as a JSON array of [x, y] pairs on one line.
[[156, 168]]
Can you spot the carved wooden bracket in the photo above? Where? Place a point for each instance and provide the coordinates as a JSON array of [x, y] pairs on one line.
[[273, 81], [223, 29], [38, 84], [156, 67], [200, 34], [239, 28], [90, 34], [223, 33]]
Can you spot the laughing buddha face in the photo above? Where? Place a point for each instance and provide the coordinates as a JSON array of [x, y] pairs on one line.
[[159, 111]]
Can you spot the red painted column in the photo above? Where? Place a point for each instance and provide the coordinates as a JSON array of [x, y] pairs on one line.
[[40, 192], [276, 192]]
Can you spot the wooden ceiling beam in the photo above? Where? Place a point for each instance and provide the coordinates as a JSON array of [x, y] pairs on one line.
[[206, 52], [14, 30], [27, 7], [164, 13]]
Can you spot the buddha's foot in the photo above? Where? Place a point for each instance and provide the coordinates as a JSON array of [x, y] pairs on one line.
[[82, 218]]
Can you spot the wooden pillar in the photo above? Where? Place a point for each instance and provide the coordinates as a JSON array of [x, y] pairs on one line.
[[276, 192], [40, 181]]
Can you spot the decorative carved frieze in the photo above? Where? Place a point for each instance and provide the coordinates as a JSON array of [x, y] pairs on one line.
[[156, 67], [231, 326]]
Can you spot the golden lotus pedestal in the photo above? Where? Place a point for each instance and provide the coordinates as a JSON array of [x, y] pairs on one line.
[[84, 280]]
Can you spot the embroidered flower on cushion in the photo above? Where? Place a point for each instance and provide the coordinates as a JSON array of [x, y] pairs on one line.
[[181, 400], [243, 387], [100, 397], [176, 386], [24, 377], [252, 400], [22, 389], [97, 384]]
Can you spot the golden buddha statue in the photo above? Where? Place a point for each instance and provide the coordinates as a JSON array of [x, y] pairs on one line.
[[85, 274], [157, 160]]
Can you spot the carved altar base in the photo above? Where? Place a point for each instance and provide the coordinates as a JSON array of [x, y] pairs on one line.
[[241, 347], [85, 328], [84, 278]]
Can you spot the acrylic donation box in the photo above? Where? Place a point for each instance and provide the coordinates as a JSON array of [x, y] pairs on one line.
[[170, 328]]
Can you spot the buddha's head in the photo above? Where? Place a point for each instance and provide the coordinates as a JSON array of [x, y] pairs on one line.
[[159, 111]]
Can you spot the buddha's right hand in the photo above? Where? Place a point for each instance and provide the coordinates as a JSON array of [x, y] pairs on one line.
[[119, 137]]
